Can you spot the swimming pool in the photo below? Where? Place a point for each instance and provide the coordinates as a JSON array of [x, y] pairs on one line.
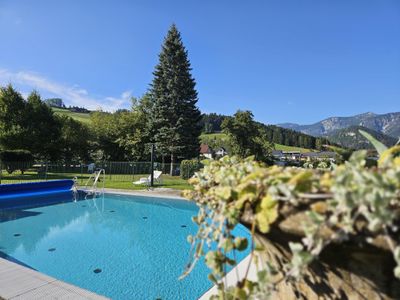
[[119, 246]]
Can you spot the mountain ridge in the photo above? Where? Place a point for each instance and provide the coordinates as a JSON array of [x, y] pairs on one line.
[[351, 138], [388, 124]]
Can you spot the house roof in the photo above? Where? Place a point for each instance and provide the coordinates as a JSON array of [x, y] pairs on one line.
[[277, 152], [205, 149], [320, 154]]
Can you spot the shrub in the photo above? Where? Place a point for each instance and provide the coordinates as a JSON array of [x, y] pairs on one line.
[[232, 190], [189, 167], [16, 160]]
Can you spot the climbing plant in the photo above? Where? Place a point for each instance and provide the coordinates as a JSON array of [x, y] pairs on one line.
[[233, 190]]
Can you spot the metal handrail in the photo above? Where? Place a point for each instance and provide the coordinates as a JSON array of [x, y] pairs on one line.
[[95, 177]]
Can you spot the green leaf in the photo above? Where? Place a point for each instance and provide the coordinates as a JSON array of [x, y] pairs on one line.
[[377, 144], [397, 272], [241, 243]]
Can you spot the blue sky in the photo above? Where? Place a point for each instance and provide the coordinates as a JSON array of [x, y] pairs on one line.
[[285, 60]]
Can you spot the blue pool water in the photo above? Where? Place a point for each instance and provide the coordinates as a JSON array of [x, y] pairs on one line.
[[123, 247]]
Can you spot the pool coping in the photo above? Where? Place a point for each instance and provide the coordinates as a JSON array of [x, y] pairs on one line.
[[235, 275], [158, 193], [19, 282]]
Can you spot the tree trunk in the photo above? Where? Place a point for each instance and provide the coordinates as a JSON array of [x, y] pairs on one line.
[[171, 171]]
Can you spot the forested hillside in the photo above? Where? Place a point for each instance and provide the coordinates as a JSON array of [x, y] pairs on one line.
[[212, 123], [351, 138]]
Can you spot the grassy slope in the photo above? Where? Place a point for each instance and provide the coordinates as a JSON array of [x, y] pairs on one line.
[[82, 117], [223, 137], [291, 148]]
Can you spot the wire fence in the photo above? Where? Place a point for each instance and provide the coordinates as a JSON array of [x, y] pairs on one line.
[[18, 172]]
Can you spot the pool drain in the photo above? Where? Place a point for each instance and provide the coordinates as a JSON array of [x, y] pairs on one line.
[[52, 249], [97, 271], [183, 226], [112, 211], [17, 234], [144, 218]]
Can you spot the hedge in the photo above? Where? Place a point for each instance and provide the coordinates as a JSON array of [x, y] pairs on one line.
[[189, 167]]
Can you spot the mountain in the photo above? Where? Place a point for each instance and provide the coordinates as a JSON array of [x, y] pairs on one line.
[[388, 124], [351, 138]]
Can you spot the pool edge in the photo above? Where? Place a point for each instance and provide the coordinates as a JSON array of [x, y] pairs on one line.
[[17, 281]]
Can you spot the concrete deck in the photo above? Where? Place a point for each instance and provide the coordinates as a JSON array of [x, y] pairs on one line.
[[19, 282], [157, 192], [234, 275]]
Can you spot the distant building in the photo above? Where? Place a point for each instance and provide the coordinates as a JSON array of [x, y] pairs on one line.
[[221, 152], [278, 154], [55, 102], [323, 155], [296, 156], [206, 151]]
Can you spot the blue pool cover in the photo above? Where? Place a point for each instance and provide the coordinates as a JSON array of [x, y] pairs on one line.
[[21, 194]]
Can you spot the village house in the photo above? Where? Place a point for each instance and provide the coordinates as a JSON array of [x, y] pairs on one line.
[[206, 151]]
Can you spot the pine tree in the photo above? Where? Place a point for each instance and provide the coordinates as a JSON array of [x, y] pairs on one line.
[[174, 123]]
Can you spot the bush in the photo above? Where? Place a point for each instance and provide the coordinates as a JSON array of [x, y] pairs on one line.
[[189, 167], [16, 160]]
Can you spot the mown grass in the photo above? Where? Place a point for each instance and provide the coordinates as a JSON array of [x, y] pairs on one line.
[[81, 117], [223, 138], [291, 148], [117, 181]]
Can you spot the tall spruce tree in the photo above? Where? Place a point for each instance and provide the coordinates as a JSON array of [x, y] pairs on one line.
[[175, 117]]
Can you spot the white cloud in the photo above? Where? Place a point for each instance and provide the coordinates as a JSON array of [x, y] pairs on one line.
[[71, 94]]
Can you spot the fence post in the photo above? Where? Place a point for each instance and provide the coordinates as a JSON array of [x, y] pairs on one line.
[[45, 172], [110, 163], [1, 170], [81, 174], [152, 166]]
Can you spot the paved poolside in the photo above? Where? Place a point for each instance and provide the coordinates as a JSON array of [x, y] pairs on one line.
[[19, 282]]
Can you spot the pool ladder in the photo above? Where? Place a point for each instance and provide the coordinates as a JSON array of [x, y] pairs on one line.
[[75, 191], [93, 189]]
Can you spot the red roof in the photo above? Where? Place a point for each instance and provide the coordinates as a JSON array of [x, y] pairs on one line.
[[204, 149]]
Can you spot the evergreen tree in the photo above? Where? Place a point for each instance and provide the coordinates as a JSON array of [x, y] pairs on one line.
[[174, 123]]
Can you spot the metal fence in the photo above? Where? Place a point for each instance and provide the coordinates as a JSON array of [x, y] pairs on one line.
[[17, 172]]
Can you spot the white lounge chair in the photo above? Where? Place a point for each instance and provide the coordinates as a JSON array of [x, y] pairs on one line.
[[146, 180]]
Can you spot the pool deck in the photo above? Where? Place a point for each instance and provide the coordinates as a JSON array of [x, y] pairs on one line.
[[19, 282], [158, 192], [234, 276]]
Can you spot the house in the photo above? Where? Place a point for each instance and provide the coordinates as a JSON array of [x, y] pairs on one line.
[[291, 155], [221, 152], [286, 155], [206, 151], [320, 156], [278, 154]]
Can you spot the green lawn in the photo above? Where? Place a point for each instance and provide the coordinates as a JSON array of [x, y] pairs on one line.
[[118, 181], [81, 117], [222, 136], [210, 138], [291, 148]]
